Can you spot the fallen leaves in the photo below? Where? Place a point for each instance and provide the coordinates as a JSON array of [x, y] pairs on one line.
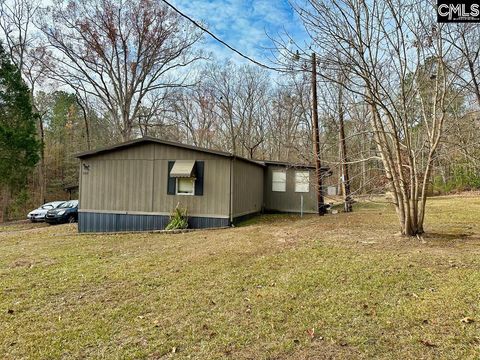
[[368, 242], [369, 311], [428, 343], [317, 299], [467, 320]]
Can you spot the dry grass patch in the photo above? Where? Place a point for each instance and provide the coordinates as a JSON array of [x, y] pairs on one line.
[[280, 287]]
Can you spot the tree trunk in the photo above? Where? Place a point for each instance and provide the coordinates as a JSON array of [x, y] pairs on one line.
[[343, 151], [3, 204], [476, 87], [407, 216], [364, 164], [85, 120], [316, 139], [42, 172]]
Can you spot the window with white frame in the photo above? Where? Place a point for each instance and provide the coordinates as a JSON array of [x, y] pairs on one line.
[[302, 181], [279, 181], [185, 186]]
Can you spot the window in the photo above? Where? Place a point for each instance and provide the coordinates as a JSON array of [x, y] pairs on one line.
[[302, 181], [69, 204], [185, 177], [185, 186], [279, 180]]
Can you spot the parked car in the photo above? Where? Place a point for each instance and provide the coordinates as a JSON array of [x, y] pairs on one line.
[[65, 213], [39, 214]]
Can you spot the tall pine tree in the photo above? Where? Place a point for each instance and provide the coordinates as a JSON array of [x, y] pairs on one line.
[[18, 144]]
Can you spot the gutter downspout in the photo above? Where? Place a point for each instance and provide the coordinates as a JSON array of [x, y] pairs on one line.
[[153, 177], [79, 208], [230, 210]]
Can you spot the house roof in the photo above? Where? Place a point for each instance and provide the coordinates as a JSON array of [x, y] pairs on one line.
[[149, 139], [146, 139], [294, 165]]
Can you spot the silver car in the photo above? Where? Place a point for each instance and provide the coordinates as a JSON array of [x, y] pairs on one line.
[[39, 214]]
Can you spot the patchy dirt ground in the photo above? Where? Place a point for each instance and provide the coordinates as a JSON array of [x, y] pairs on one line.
[[279, 287]]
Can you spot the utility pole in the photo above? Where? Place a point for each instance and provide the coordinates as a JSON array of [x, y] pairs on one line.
[[347, 206], [316, 138]]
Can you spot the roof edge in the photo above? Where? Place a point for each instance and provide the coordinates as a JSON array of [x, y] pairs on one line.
[[150, 139], [294, 165]]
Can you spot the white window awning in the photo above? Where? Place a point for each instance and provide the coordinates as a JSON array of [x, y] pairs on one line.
[[182, 169]]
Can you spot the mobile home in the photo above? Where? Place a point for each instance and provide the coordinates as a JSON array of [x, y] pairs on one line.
[[135, 185]]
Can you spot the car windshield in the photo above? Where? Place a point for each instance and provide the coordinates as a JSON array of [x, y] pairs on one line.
[[51, 205], [69, 204]]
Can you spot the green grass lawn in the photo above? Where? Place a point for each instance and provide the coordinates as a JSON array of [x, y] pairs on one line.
[[342, 286]]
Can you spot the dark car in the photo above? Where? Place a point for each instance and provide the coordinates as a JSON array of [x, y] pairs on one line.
[[65, 213]]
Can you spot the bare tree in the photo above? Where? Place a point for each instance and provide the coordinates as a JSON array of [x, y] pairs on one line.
[[464, 37], [118, 52], [284, 124], [195, 112], [252, 107], [397, 60], [223, 82], [345, 178], [22, 38]]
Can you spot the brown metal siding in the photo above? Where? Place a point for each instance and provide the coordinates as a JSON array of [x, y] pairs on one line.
[[117, 185], [134, 179], [215, 198], [289, 201], [247, 188], [144, 151]]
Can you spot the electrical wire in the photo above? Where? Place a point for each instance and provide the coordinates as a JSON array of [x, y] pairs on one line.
[[201, 27]]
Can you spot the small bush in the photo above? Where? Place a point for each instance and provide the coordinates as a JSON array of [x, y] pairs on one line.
[[20, 205], [178, 219]]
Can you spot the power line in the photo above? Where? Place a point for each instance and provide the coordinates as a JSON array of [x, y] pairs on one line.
[[220, 40]]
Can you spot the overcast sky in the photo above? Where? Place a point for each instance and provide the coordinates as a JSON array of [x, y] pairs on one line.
[[244, 24]]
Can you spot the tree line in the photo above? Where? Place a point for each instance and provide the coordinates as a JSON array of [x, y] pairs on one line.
[[405, 88]]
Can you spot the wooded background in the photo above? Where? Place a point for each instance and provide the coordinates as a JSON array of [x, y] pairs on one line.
[[104, 71]]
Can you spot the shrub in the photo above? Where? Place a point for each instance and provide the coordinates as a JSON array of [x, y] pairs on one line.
[[20, 205], [178, 219]]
